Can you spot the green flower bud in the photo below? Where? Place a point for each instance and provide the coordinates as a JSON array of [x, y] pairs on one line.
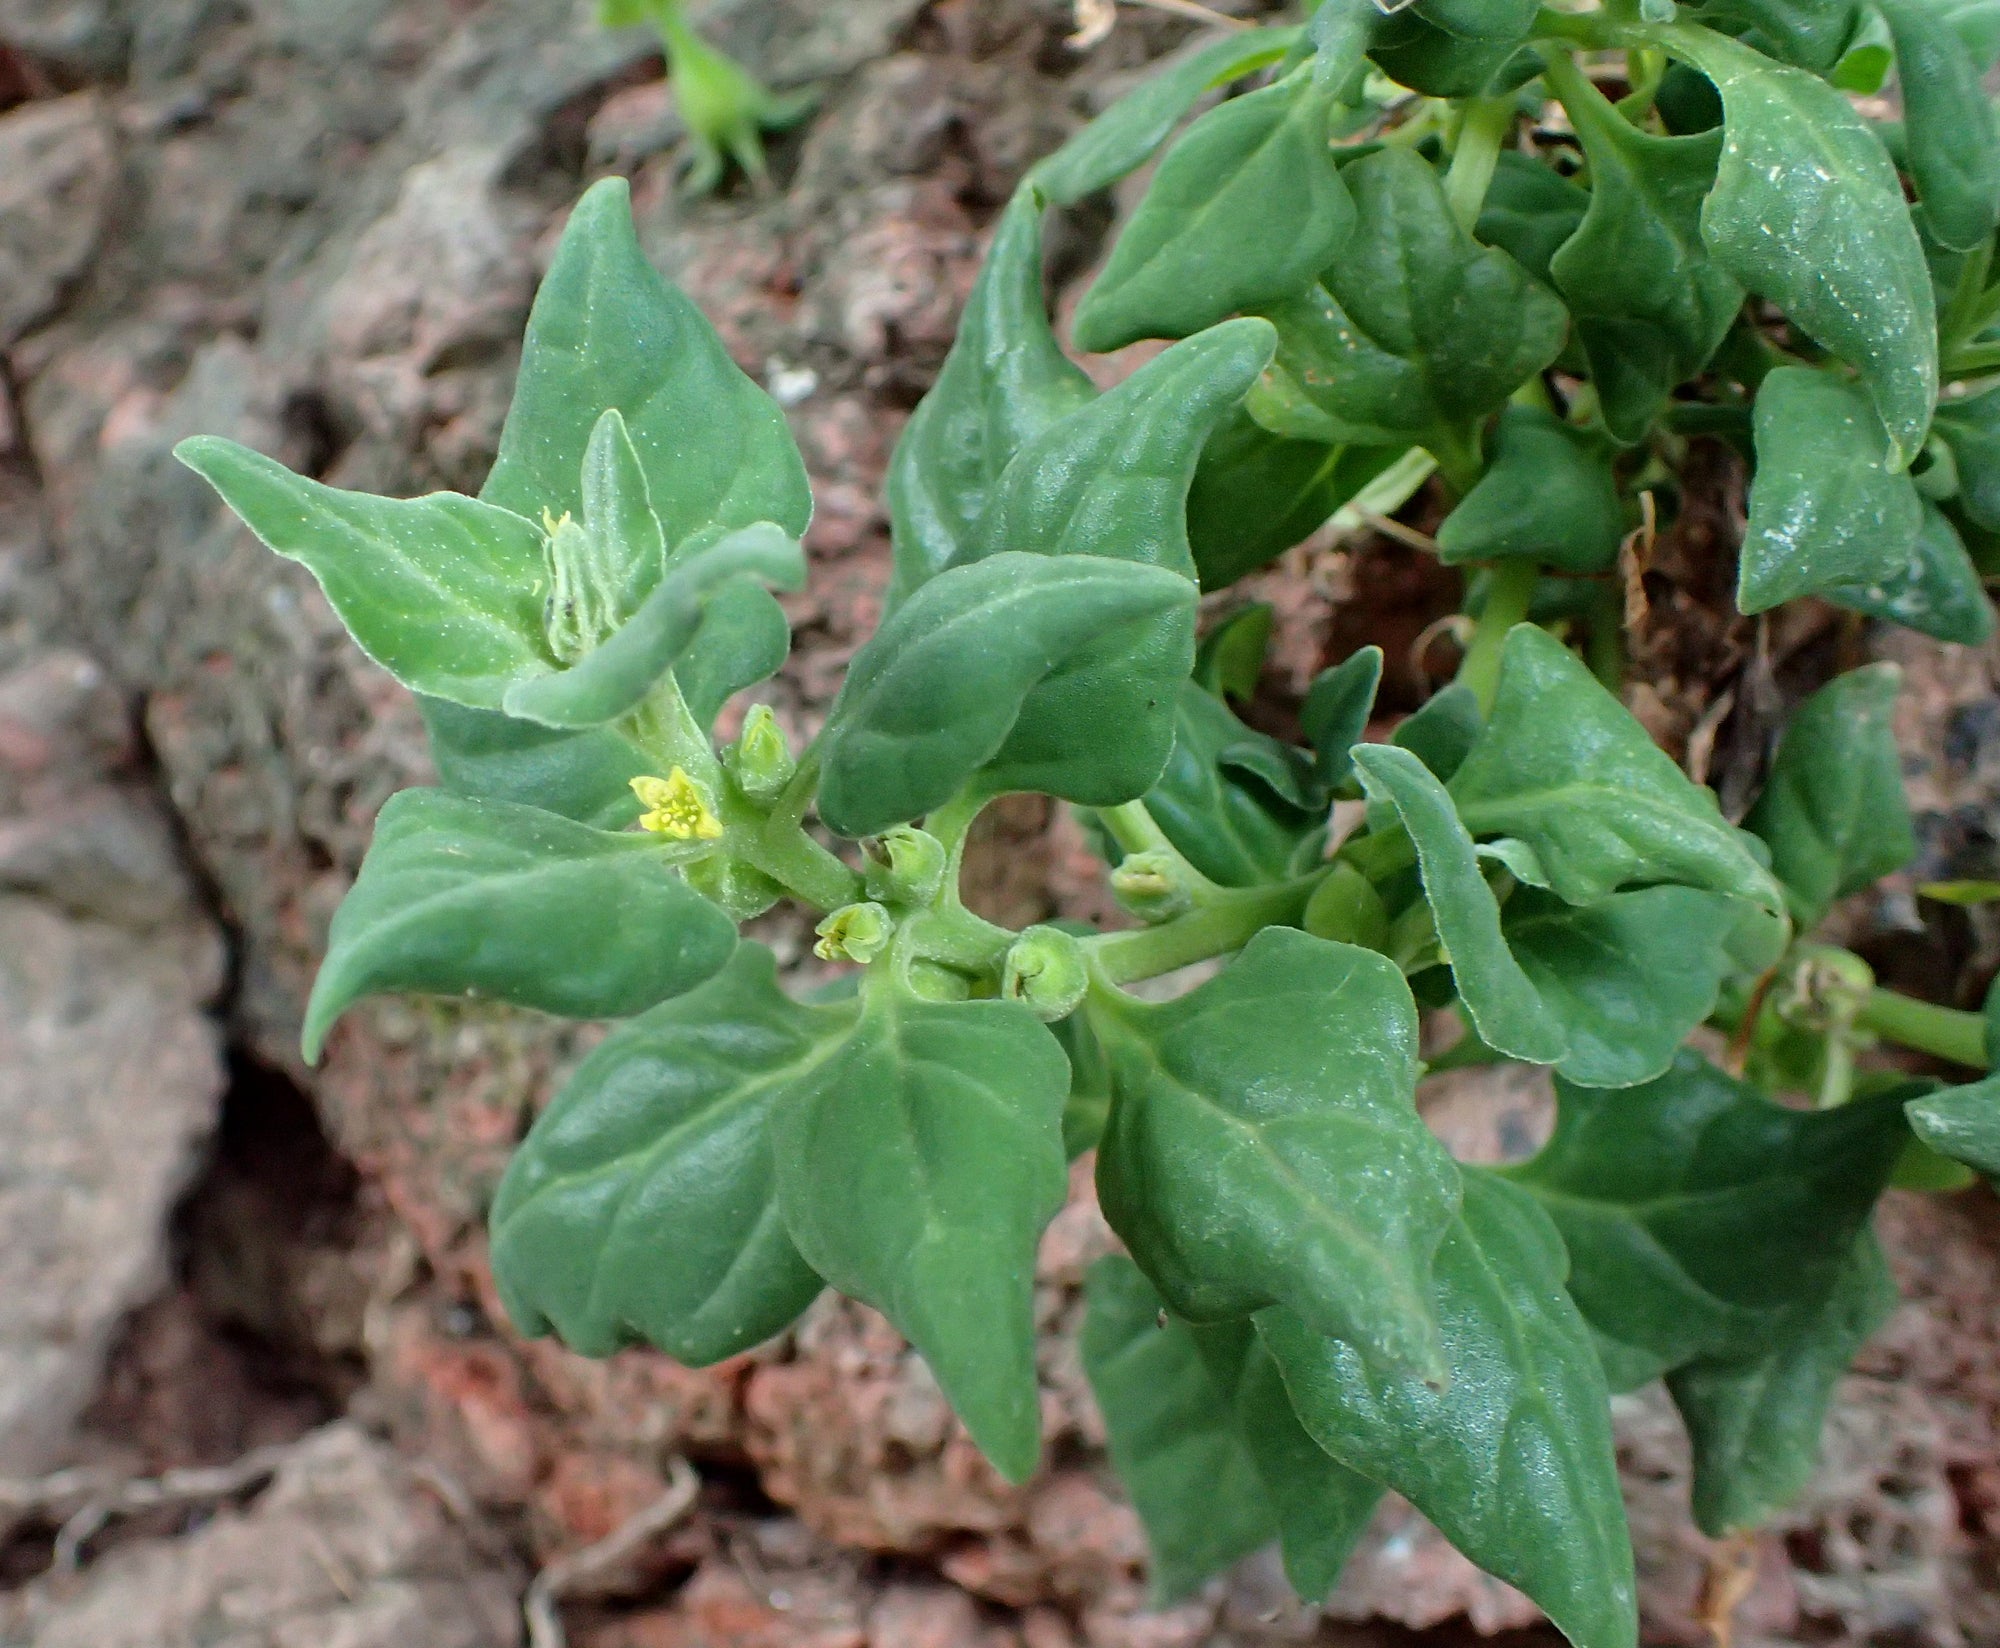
[[938, 983], [1345, 907], [856, 932], [760, 760], [1153, 885], [1823, 990], [742, 891], [1047, 970], [905, 866]]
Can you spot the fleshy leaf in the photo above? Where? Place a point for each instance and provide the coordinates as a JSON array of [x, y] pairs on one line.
[[1336, 712], [918, 1162], [1832, 811], [1825, 508], [607, 332], [642, 1207], [1513, 1459], [1948, 125], [1530, 211], [1056, 673], [1264, 1147], [444, 592], [1237, 834], [1246, 208], [1807, 211], [1962, 1123], [1699, 1215], [1938, 593], [484, 898], [1547, 495], [1205, 1441], [486, 756]]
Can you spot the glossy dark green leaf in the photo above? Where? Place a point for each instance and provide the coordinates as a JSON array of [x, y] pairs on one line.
[[608, 332], [1004, 382], [642, 1207], [1756, 1422], [1699, 1215], [1962, 1123], [1111, 479], [918, 1162], [1246, 208], [1337, 710], [1256, 494], [1971, 429], [1808, 212], [1054, 673], [614, 678], [1825, 508], [443, 592], [1530, 211], [1939, 592], [1832, 811], [1627, 978], [1948, 122], [1563, 766], [1505, 1006], [1513, 1459], [1416, 328], [1651, 306], [1264, 1147], [1548, 495], [1809, 33], [1205, 1441], [1124, 137], [487, 756], [744, 638], [1236, 832], [484, 898]]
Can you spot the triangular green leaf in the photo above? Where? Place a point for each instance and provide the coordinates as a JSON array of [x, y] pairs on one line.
[[1938, 592], [1962, 1123], [1548, 495], [1948, 124]]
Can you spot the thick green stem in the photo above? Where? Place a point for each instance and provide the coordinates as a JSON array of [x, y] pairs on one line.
[[799, 864], [1488, 121], [1508, 598], [1230, 922], [1943, 1032]]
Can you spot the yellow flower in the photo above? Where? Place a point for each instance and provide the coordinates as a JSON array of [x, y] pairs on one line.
[[677, 806]]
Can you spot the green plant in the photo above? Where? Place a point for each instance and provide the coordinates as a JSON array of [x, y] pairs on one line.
[[1374, 265]]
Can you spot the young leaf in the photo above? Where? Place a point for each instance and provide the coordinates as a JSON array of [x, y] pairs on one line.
[[1971, 429], [615, 677], [1699, 1215], [1832, 811], [1651, 307], [444, 592], [486, 756], [1335, 715], [744, 638], [1530, 211], [465, 898], [1417, 328], [1547, 495], [1246, 208], [1124, 137], [1962, 1123], [1505, 1006], [1264, 1147], [1826, 510], [608, 332], [1948, 124], [918, 1162], [1628, 978], [1112, 478], [1939, 592], [1417, 53], [1756, 1422], [642, 1207], [1563, 766], [1205, 1441], [1256, 494], [1513, 1459], [1442, 730], [1057, 673], [1237, 834], [1004, 382], [1811, 34], [1807, 212]]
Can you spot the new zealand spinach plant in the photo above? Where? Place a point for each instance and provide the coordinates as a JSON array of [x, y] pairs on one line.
[[1536, 249]]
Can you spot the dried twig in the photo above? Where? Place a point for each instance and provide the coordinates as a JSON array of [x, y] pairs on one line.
[[1095, 19], [568, 1575], [88, 1498]]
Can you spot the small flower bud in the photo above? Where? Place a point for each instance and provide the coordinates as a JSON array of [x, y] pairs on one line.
[[905, 866], [856, 932], [760, 760], [938, 983], [1153, 885], [1047, 970], [677, 807], [1824, 990], [1345, 907]]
